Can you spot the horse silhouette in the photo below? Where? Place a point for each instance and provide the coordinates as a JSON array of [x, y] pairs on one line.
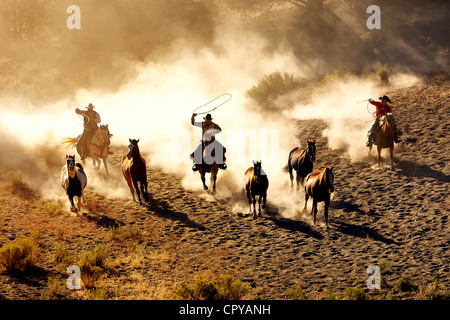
[[73, 181], [134, 170], [302, 161], [256, 183]]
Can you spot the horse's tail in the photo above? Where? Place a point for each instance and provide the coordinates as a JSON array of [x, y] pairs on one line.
[[70, 141], [288, 166]]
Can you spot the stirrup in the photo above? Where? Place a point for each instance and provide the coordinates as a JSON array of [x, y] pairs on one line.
[[195, 167], [398, 140]]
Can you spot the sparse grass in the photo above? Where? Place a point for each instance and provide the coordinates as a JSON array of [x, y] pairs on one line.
[[387, 296], [205, 289], [433, 291], [19, 255], [298, 293], [355, 294], [332, 296], [60, 232]]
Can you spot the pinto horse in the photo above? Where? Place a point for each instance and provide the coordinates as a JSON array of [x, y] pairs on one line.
[[384, 137], [74, 180], [256, 183], [319, 186], [301, 160], [134, 170]]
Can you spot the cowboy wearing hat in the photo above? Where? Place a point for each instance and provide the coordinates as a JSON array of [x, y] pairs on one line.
[[209, 129], [382, 107], [91, 119]]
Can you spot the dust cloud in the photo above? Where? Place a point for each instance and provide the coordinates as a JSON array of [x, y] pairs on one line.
[[148, 65]]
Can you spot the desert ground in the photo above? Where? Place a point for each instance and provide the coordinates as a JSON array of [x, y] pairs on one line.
[[398, 218]]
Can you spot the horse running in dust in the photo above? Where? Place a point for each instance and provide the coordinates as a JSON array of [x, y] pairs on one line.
[[302, 161], [319, 186], [256, 183], [74, 180], [384, 137], [134, 170], [214, 167], [98, 148]]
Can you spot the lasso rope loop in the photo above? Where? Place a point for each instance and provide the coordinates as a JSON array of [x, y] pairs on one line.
[[81, 116], [225, 94], [367, 108]]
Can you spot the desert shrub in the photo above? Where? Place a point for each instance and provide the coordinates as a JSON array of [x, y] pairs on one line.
[[355, 294], [19, 255], [97, 294], [337, 75], [60, 232], [406, 283], [21, 187], [383, 76], [204, 289], [332, 296], [433, 291], [63, 256], [56, 287], [387, 296], [52, 208], [272, 86], [231, 289], [95, 257], [298, 293], [91, 265]]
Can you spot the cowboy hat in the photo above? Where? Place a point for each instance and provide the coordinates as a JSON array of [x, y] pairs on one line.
[[208, 117], [385, 98], [90, 106]]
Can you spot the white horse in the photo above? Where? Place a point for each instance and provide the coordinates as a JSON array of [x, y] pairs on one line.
[[74, 180]]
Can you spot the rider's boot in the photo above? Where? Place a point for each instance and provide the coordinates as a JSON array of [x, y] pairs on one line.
[[195, 167], [369, 142]]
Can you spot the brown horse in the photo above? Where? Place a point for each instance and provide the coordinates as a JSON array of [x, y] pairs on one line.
[[210, 163], [256, 183], [301, 160], [384, 138], [98, 148], [134, 170], [73, 181], [319, 186]]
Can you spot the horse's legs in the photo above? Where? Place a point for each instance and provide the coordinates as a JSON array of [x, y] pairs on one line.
[[306, 199], [105, 163], [291, 176], [379, 156], [327, 204], [144, 188], [213, 181], [79, 203], [138, 192], [264, 200], [72, 208], [391, 151], [259, 205], [314, 211], [298, 178], [254, 208], [202, 175]]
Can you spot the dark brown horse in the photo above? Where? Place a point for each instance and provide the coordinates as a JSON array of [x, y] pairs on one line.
[[384, 137], [301, 160], [210, 163], [319, 186], [134, 170], [256, 184]]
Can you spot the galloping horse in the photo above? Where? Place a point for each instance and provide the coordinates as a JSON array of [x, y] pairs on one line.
[[319, 186], [384, 137], [301, 160], [98, 148], [74, 180], [134, 170], [212, 163], [256, 183]]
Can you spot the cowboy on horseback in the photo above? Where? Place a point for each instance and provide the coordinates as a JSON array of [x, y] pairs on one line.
[[209, 129], [382, 108], [91, 119]]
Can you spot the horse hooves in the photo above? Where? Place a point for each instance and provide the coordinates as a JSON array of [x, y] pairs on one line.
[[213, 192], [73, 209], [205, 188]]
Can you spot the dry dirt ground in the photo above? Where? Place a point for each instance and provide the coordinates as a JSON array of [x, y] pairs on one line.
[[399, 217]]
